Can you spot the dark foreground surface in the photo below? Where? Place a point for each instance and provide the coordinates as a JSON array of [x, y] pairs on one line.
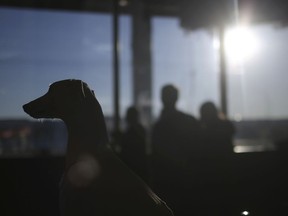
[[254, 182]]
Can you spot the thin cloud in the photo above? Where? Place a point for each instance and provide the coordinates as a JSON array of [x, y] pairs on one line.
[[96, 47], [6, 55]]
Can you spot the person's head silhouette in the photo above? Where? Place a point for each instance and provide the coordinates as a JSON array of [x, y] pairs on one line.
[[169, 96], [132, 115], [208, 111]]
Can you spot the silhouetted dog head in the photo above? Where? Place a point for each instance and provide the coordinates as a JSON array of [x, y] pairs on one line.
[[62, 98]]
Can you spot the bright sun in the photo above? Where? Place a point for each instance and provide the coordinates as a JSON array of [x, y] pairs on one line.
[[240, 44]]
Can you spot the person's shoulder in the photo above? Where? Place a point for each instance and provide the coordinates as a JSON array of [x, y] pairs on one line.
[[227, 122], [182, 114], [228, 125], [189, 119], [188, 116]]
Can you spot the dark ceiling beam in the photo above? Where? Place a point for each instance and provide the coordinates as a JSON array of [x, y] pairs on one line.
[[191, 12], [157, 7], [63, 5], [259, 11]]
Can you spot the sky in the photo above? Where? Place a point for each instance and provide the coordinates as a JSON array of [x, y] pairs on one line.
[[40, 47]]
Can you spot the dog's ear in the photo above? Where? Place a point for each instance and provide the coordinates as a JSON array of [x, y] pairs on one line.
[[78, 89], [83, 91], [82, 88]]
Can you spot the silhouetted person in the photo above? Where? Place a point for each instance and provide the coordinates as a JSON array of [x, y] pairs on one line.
[[217, 133], [133, 143], [174, 137], [215, 165]]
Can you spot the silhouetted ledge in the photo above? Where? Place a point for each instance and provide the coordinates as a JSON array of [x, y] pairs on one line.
[[257, 180]]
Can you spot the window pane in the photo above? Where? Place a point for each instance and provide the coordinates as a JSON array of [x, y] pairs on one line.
[[258, 86], [186, 60], [257, 89], [125, 64], [40, 47]]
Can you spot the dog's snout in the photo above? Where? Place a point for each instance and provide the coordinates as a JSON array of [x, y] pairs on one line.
[[26, 108], [39, 108]]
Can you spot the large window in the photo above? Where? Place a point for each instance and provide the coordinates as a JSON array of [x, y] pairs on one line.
[[40, 47]]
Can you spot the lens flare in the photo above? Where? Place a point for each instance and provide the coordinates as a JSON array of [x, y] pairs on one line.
[[245, 213]]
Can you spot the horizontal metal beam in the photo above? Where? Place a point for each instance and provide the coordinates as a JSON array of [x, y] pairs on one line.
[[255, 10], [158, 7]]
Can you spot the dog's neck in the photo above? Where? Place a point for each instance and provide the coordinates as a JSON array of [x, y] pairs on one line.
[[86, 133]]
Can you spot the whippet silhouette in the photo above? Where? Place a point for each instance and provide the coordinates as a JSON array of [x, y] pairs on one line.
[[95, 182]]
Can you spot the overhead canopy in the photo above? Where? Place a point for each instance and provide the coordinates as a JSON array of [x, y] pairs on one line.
[[206, 13], [192, 13]]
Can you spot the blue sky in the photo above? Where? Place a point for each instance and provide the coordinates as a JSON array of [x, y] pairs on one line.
[[40, 47]]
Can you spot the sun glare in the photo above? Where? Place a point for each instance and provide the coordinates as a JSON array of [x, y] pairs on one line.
[[240, 44]]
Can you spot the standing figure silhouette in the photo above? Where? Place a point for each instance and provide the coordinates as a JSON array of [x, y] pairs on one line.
[[174, 136]]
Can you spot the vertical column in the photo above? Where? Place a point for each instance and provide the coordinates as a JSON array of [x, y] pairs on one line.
[[141, 48], [116, 65], [223, 74], [230, 16]]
